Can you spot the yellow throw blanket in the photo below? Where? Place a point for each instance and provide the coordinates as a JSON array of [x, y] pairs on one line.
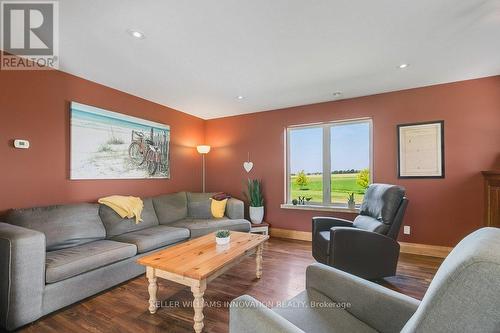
[[125, 206]]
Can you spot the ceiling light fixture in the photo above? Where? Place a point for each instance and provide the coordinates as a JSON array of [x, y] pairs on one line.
[[337, 94], [136, 34], [403, 66], [240, 97]]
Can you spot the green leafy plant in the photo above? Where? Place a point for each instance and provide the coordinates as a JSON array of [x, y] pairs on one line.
[[301, 179], [350, 198], [254, 193], [222, 233], [363, 178]]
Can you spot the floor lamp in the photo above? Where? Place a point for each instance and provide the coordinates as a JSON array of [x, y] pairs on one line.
[[203, 150]]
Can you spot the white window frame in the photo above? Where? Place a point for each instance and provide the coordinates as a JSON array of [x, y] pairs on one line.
[[327, 201]]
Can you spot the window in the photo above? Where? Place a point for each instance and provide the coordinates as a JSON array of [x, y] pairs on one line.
[[327, 162]]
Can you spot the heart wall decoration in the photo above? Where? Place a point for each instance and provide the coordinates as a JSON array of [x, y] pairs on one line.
[[248, 165]]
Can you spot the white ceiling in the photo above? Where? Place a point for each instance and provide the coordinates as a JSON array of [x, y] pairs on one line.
[[198, 56]]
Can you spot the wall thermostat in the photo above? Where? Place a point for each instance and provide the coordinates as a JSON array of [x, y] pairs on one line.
[[21, 144]]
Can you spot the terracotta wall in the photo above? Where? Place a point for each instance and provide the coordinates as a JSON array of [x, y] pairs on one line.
[[34, 105], [441, 211]]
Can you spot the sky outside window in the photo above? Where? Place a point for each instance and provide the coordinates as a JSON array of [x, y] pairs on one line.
[[306, 150], [306, 154]]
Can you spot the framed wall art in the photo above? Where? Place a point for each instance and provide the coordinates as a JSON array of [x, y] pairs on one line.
[[421, 150], [111, 145]]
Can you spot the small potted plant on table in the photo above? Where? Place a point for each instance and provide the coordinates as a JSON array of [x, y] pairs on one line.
[[351, 203], [222, 237]]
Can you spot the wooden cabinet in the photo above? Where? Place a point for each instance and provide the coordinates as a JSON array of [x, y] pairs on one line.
[[492, 200]]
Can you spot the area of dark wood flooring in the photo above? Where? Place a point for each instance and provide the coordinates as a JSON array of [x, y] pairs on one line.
[[124, 307]]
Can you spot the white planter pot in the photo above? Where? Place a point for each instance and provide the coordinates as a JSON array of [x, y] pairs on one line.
[[256, 214], [351, 205], [222, 241]]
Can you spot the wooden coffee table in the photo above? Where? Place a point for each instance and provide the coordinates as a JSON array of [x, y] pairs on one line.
[[197, 262]]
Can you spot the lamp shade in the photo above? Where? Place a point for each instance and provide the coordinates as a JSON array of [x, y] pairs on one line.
[[203, 149]]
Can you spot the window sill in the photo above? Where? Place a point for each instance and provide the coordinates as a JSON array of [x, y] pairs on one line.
[[321, 208]]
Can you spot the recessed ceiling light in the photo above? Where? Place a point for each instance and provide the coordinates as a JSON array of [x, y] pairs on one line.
[[337, 94], [403, 66], [240, 97], [136, 33]]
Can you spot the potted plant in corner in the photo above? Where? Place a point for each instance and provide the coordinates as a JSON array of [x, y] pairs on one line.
[[222, 237], [351, 203], [255, 200]]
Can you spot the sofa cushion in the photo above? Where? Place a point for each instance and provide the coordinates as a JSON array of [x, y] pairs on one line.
[[200, 227], [382, 201], [153, 238], [311, 311], [324, 241], [464, 294], [115, 225], [370, 224], [63, 225], [170, 207], [321, 246], [199, 205], [235, 209], [69, 262]]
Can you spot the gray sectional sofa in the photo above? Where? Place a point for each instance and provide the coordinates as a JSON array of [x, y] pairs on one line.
[[51, 257]]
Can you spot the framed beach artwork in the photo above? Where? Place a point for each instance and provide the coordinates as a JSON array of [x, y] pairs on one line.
[[111, 145], [421, 150]]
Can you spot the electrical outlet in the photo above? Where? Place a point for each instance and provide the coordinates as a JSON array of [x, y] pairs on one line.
[[406, 230]]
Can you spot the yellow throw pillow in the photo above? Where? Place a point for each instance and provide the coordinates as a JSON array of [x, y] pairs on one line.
[[218, 208]]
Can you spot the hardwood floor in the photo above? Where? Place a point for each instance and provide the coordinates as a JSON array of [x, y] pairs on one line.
[[125, 307]]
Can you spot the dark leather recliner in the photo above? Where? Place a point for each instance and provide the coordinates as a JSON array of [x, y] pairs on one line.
[[366, 247]]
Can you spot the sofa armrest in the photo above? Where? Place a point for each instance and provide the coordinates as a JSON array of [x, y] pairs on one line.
[[381, 308], [235, 209], [364, 253], [325, 223], [22, 275], [248, 315]]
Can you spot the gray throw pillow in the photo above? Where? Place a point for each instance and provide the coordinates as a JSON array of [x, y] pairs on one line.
[[199, 205]]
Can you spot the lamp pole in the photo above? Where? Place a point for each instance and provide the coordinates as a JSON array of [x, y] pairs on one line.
[[203, 176], [203, 150]]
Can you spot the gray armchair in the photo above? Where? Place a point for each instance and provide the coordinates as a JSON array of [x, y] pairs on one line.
[[462, 297], [366, 247]]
